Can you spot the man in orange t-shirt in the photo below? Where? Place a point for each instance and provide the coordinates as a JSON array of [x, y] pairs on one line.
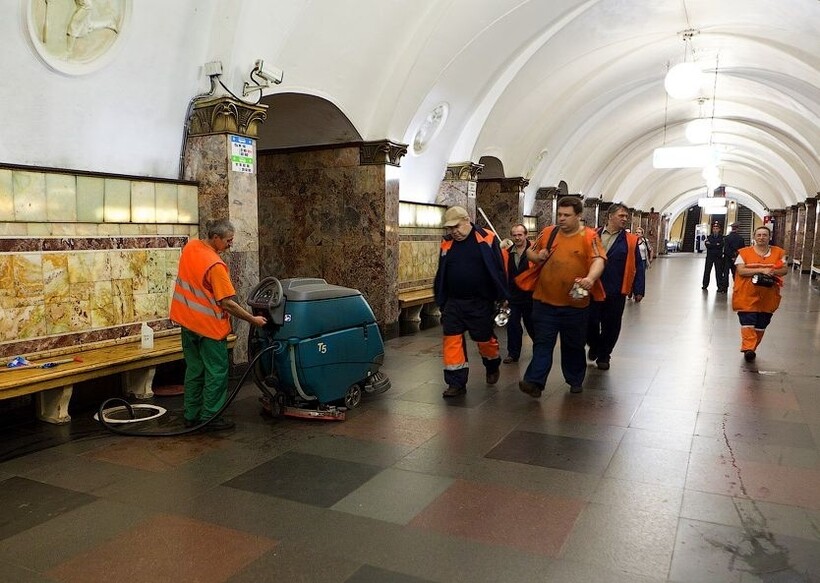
[[574, 263]]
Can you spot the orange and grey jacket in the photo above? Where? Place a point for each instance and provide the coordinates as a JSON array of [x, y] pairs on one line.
[[624, 271], [194, 305], [490, 253]]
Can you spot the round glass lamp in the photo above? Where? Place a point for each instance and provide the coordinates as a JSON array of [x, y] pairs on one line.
[[698, 131], [683, 81]]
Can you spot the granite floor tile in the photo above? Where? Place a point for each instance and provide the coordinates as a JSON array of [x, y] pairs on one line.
[[714, 553], [305, 478], [26, 503], [166, 548], [286, 562], [555, 451], [502, 516], [155, 455], [370, 574], [394, 495], [649, 465], [375, 425], [633, 540]]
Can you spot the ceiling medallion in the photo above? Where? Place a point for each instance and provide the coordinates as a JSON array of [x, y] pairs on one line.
[[430, 127], [75, 36]]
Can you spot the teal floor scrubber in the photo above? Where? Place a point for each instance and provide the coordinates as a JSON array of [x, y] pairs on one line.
[[323, 348]]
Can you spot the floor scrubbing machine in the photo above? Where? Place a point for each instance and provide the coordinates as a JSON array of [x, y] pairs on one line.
[[323, 348]]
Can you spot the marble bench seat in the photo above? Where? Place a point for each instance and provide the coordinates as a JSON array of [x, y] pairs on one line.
[[53, 387]]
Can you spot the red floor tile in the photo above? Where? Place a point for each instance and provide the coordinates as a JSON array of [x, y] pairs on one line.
[[375, 425], [502, 516], [156, 455], [166, 548]]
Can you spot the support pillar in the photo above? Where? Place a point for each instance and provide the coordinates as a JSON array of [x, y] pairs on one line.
[[220, 154], [653, 231], [591, 215], [543, 208], [799, 232], [459, 186], [778, 226], [809, 237], [333, 213], [502, 199], [789, 231]]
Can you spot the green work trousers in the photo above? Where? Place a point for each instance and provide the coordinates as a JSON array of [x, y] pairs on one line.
[[206, 375]]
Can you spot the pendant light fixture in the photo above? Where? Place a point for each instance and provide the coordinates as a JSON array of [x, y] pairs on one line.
[[684, 80]]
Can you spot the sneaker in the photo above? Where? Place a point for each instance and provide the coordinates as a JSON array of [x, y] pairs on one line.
[[509, 360], [454, 391], [492, 377], [749, 355], [602, 365], [529, 388], [219, 424], [577, 388]]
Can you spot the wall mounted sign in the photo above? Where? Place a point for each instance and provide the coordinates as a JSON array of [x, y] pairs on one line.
[[241, 154], [75, 36]]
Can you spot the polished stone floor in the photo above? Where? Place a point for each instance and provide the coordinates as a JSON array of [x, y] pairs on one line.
[[681, 463]]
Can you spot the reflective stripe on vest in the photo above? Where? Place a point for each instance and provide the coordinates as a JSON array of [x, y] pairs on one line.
[[193, 306]]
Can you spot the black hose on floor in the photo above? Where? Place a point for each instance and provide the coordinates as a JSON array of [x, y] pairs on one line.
[[186, 431]]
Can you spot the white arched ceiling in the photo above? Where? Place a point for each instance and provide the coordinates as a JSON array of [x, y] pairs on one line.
[[557, 90]]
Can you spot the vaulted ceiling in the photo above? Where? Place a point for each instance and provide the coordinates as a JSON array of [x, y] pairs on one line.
[[567, 90]]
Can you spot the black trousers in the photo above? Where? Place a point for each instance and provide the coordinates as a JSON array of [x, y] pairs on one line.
[[717, 263], [604, 325]]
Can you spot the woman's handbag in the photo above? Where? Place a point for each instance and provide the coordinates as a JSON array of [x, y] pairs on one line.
[[527, 279]]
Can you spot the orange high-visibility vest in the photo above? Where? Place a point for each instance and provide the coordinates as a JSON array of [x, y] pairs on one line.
[[748, 297], [194, 305], [631, 268]]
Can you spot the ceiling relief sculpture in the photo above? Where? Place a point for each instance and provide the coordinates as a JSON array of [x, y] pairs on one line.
[[76, 36]]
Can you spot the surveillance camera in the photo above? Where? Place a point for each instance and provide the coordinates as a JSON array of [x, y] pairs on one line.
[[271, 74]]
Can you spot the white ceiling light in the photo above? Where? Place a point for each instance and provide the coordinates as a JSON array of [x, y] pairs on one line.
[[699, 131], [685, 157], [712, 202], [683, 81]]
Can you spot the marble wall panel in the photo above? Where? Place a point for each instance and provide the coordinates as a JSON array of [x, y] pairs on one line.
[[167, 209], [6, 196], [29, 196], [61, 197], [187, 204], [90, 199], [143, 202], [117, 201], [418, 262]]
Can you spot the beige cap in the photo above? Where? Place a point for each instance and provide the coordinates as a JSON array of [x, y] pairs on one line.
[[454, 215]]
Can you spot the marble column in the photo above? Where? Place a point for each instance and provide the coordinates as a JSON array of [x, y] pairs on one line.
[[502, 200], [809, 239], [652, 230], [333, 213], [779, 226], [592, 218], [799, 232], [603, 212], [815, 257], [665, 224], [543, 207], [459, 186], [788, 232], [228, 187]]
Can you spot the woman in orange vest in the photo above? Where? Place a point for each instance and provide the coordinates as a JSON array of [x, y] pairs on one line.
[[202, 303], [760, 271]]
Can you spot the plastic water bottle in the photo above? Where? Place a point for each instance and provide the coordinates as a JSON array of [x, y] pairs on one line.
[[147, 336]]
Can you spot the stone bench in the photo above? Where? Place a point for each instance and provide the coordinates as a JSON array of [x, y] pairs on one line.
[[412, 301], [53, 387]]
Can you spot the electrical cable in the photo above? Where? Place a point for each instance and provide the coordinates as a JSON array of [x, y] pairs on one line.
[[187, 124], [104, 406]]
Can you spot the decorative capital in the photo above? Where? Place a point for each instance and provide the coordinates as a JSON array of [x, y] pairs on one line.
[[547, 193], [463, 171], [226, 115], [518, 183], [381, 152]]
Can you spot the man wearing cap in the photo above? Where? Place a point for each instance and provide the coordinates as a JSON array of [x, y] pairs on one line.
[[469, 280], [714, 258], [732, 243]]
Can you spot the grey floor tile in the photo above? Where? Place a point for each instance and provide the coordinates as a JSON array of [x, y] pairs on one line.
[[26, 503]]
